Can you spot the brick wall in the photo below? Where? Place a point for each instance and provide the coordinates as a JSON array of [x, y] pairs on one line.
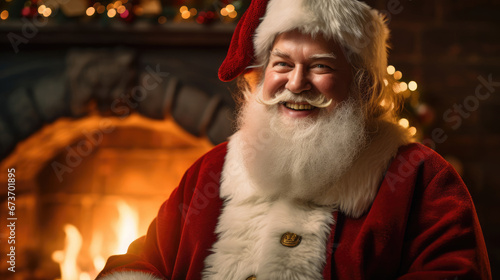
[[447, 46]]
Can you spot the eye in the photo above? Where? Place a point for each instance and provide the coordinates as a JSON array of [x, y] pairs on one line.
[[281, 64], [321, 66]]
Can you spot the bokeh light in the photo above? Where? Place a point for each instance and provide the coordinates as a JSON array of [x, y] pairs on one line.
[[4, 15], [404, 123], [90, 11], [111, 13], [391, 69], [398, 75], [412, 86]]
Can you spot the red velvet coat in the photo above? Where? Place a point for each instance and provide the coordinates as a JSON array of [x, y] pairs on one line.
[[421, 225]]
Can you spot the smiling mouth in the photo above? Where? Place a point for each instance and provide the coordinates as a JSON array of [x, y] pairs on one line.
[[298, 107]]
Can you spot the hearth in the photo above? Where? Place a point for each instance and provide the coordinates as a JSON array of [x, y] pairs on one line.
[[86, 188]]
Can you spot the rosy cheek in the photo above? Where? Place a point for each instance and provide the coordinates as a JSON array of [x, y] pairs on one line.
[[333, 88], [273, 82], [325, 86]]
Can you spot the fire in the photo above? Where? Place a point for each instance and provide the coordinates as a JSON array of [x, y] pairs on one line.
[[126, 227], [67, 258], [126, 231], [95, 251]]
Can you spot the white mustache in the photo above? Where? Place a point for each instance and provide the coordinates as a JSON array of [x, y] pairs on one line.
[[286, 96]]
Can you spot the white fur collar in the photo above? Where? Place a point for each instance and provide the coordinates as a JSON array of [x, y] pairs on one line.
[[251, 225], [249, 234]]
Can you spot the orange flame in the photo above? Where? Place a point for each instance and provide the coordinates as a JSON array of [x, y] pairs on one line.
[[96, 251], [67, 258], [126, 230]]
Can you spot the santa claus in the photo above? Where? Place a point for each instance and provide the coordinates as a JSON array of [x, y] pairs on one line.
[[319, 181]]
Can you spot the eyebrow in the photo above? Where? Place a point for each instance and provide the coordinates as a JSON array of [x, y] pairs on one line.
[[279, 53], [323, 55]]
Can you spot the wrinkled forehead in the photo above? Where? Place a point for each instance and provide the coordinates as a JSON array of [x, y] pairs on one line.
[[316, 42]]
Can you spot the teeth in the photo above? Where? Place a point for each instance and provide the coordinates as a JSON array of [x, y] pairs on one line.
[[299, 106]]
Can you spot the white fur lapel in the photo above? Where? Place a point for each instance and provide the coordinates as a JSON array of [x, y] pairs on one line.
[[249, 234], [251, 225]]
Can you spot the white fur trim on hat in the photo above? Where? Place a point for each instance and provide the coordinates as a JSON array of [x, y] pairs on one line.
[[357, 27]]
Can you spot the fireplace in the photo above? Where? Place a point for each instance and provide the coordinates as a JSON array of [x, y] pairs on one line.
[[87, 187], [99, 138]]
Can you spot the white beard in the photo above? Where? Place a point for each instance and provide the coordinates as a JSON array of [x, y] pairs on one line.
[[299, 159], [282, 176]]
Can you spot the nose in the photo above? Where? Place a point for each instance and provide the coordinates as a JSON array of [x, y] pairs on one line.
[[298, 80]]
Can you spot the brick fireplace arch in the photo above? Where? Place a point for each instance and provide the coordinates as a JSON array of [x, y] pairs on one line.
[[90, 134], [79, 171]]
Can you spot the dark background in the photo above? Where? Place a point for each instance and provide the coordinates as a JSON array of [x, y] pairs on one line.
[[447, 47]]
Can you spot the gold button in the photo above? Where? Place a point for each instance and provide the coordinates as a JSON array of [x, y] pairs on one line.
[[290, 239], [251, 277]]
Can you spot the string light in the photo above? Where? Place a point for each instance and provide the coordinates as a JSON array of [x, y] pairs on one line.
[[404, 123], [111, 13], [4, 15], [403, 86], [233, 14], [398, 75], [186, 14], [412, 130], [230, 8], [405, 89], [412, 86], [121, 9], [41, 9], [391, 69], [229, 11], [90, 11], [47, 12]]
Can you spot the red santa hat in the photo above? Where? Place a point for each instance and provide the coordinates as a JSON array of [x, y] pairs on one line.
[[358, 28]]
